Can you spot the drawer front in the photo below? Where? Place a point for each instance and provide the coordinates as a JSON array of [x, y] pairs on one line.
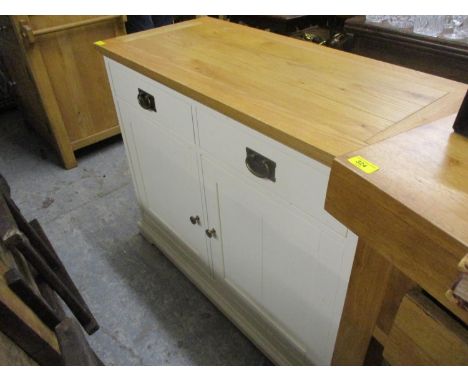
[[155, 102], [425, 334], [273, 167]]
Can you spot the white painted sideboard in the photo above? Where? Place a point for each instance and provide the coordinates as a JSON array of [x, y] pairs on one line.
[[263, 250]]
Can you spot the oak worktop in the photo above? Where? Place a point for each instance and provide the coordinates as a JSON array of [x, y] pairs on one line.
[[414, 208], [316, 100], [426, 171]]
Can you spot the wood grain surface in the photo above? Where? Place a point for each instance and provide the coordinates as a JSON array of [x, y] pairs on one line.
[[69, 78], [414, 209], [319, 101], [42, 344], [423, 334], [12, 355], [370, 276]]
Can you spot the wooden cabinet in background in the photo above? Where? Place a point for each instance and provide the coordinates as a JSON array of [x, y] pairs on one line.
[[434, 55], [61, 84]]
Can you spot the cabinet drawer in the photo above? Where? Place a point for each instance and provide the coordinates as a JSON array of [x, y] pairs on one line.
[[298, 179], [425, 334], [171, 110]]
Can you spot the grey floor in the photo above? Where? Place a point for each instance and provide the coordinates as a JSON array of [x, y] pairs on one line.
[[149, 313]]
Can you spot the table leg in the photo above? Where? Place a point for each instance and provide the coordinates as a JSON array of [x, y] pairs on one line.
[[366, 291]]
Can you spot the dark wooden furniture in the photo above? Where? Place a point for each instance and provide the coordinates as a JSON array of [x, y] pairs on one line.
[[74, 346], [29, 244], [31, 279], [282, 24], [442, 57]]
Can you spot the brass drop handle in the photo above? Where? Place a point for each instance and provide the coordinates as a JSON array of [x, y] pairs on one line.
[[210, 233], [195, 219]]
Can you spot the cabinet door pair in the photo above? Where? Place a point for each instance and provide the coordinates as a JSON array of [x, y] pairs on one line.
[[285, 263]]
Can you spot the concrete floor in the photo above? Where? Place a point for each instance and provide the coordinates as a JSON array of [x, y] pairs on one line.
[[149, 313]]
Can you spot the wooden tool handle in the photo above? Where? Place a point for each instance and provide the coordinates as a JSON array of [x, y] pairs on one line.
[[36, 302], [81, 311]]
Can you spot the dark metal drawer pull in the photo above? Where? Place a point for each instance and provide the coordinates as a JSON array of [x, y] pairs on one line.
[[146, 100], [195, 219], [259, 165], [210, 232]]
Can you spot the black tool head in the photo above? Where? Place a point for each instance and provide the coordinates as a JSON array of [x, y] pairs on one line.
[[461, 122]]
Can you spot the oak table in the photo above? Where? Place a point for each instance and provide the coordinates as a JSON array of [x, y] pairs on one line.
[[411, 216], [316, 100]]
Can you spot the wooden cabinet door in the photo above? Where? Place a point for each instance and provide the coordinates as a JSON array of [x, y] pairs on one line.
[[292, 267], [165, 173], [70, 76]]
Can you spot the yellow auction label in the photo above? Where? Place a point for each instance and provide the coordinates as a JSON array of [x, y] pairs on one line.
[[99, 43], [363, 164]]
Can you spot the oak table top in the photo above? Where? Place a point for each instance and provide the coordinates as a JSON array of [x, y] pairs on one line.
[[425, 170], [316, 100], [414, 208]]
